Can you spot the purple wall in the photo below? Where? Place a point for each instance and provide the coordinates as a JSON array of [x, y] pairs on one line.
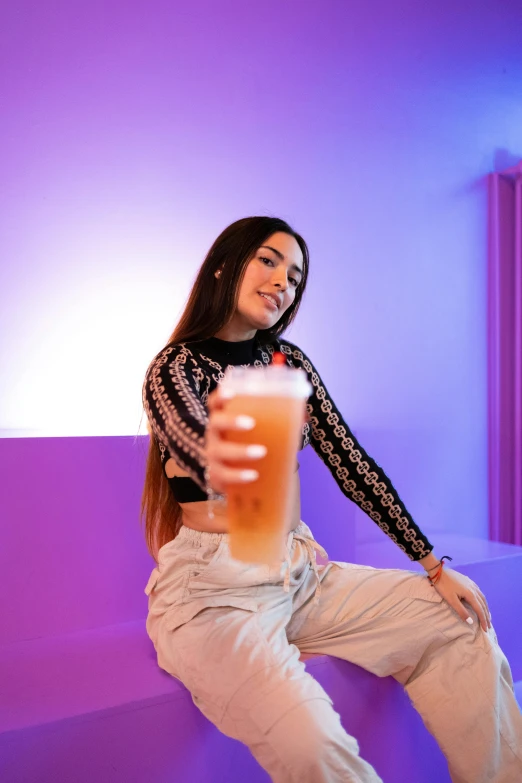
[[73, 555], [132, 133]]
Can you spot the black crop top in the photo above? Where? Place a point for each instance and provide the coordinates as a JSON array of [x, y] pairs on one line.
[[175, 392], [185, 489]]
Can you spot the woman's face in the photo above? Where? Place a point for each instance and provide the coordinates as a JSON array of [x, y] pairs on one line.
[[269, 284]]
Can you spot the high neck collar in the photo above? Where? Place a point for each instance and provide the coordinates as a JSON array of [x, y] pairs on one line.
[[242, 352]]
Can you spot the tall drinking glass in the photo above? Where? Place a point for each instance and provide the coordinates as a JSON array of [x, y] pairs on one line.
[[258, 511]]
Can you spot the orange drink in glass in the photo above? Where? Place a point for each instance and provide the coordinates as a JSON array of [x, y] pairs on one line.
[[258, 511]]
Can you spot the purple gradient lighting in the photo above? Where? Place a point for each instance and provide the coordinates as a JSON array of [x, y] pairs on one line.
[[132, 133]]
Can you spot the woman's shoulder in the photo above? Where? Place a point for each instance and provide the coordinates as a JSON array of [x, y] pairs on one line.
[[174, 354], [169, 352]]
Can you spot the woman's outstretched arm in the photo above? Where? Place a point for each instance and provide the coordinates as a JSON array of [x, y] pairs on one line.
[[186, 415], [176, 413]]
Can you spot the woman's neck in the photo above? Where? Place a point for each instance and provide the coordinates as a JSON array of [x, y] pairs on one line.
[[234, 333], [227, 352]]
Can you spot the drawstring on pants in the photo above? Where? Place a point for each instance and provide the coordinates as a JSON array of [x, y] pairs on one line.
[[311, 547]]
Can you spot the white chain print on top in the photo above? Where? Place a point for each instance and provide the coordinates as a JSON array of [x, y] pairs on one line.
[[175, 393]]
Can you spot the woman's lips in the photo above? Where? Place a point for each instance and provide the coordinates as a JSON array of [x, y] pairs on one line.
[[269, 300]]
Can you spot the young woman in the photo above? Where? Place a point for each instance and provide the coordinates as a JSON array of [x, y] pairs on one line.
[[233, 633]]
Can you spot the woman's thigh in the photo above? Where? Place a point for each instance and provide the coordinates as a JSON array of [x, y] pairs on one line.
[[251, 684], [380, 619], [242, 678]]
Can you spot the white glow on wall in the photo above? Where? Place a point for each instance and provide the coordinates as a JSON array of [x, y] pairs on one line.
[[76, 363], [130, 139]]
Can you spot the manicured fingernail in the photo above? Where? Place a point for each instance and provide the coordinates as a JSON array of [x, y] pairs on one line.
[[249, 475], [245, 422], [470, 620], [256, 451]]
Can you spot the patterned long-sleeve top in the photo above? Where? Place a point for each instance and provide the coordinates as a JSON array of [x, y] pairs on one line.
[[175, 393]]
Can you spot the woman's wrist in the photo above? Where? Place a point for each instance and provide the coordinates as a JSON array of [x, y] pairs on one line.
[[430, 562], [434, 567]]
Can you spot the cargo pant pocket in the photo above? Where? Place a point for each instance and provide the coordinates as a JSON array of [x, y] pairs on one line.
[[190, 649]]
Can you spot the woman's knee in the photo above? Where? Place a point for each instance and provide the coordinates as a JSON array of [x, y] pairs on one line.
[[311, 733], [312, 745]]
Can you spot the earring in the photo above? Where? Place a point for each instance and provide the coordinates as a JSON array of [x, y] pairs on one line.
[[218, 273]]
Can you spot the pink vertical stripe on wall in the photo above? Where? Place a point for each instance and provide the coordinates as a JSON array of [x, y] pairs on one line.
[[505, 355]]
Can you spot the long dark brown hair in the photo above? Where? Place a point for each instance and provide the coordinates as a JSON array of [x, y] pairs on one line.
[[210, 306]]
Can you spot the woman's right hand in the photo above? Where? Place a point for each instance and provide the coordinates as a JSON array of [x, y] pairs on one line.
[[221, 452]]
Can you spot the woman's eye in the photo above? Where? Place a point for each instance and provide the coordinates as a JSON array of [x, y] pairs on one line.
[[265, 261]]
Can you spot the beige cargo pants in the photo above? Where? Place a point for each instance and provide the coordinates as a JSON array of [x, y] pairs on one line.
[[233, 635]]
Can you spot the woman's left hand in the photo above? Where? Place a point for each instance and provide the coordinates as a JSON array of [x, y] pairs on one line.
[[454, 587]]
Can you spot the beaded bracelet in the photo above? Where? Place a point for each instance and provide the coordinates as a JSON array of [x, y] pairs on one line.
[[434, 579]]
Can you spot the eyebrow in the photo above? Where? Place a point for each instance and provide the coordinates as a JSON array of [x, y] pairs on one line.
[[281, 256]]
